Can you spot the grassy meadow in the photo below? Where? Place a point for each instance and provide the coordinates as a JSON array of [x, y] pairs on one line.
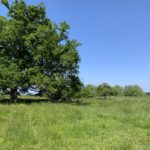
[[93, 124]]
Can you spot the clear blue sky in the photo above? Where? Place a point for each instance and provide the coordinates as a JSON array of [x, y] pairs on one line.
[[115, 37]]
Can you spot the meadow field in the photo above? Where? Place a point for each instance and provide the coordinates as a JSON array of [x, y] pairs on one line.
[[118, 123]]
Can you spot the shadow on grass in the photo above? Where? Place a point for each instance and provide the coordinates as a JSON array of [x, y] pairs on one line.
[[80, 103], [28, 101], [23, 101], [103, 98]]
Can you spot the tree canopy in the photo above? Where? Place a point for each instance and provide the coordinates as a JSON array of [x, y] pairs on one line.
[[36, 53], [117, 90], [104, 89], [133, 90], [88, 91]]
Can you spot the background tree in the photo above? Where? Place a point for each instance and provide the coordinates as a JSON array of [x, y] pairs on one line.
[[104, 89], [133, 90], [89, 91], [117, 90], [36, 53]]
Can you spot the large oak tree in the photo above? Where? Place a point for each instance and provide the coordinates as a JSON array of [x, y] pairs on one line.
[[36, 53]]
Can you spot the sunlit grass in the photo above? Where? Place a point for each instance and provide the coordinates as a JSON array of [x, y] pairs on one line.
[[116, 123]]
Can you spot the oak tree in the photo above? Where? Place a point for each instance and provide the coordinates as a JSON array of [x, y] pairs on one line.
[[36, 53]]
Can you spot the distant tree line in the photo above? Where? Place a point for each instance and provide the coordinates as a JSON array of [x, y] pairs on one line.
[[104, 90]]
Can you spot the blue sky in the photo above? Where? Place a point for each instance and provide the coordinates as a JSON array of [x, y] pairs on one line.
[[115, 37]]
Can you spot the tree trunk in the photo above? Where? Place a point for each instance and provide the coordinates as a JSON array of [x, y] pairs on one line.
[[13, 95]]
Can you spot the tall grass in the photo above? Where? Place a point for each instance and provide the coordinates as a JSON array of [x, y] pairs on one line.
[[94, 124]]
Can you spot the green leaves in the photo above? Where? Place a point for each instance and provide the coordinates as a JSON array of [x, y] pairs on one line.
[[104, 89], [133, 90], [9, 76], [5, 2], [37, 52]]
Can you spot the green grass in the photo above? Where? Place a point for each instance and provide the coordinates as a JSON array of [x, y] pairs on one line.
[[95, 124]]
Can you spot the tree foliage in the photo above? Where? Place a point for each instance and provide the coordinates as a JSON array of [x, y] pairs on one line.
[[89, 91], [36, 53], [104, 89], [117, 90], [133, 90]]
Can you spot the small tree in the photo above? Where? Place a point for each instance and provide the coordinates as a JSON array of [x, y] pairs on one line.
[[133, 90], [104, 89]]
